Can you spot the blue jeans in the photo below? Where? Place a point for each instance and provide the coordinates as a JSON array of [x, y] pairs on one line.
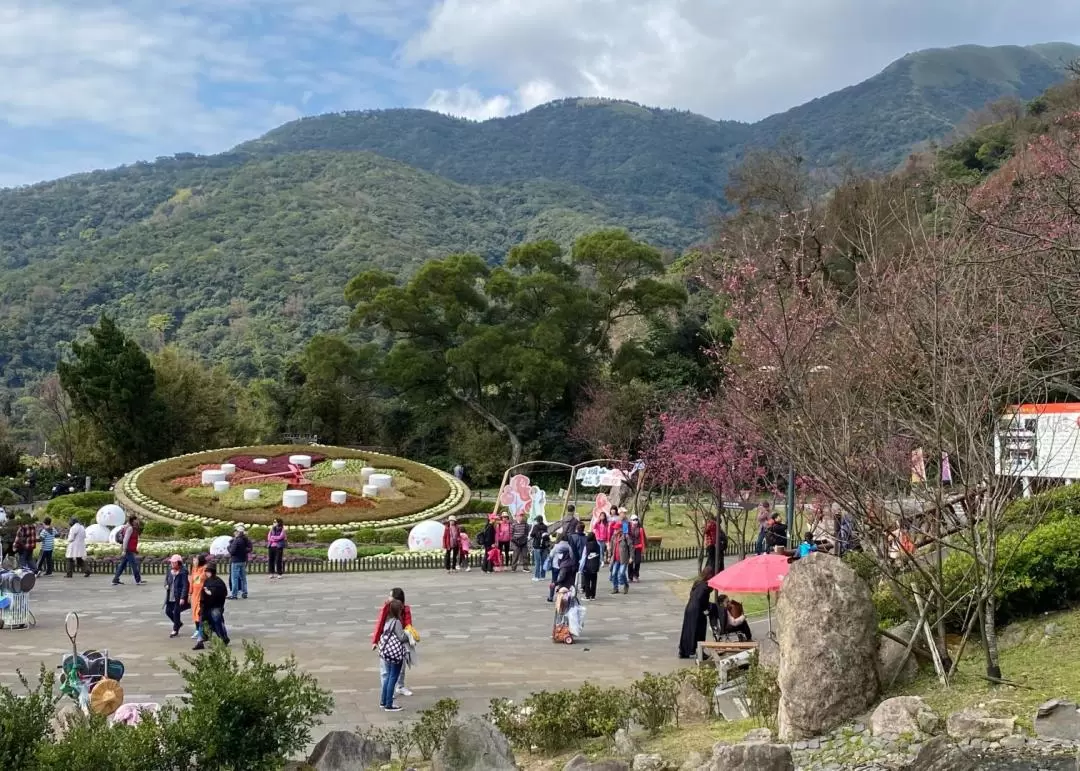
[[383, 671], [214, 623], [539, 555], [131, 559], [238, 578], [759, 544], [389, 681], [618, 575]]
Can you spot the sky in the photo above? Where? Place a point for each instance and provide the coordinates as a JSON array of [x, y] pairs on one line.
[[88, 84]]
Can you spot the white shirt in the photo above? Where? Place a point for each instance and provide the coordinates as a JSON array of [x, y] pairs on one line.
[[76, 545]]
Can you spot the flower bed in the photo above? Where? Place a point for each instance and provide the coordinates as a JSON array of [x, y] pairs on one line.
[[432, 494]]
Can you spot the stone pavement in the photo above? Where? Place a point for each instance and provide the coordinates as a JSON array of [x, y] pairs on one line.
[[483, 636]]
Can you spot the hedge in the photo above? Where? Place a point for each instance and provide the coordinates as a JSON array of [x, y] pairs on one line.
[[82, 506]]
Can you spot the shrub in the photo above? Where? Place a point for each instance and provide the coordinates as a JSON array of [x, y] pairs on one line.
[[8, 497], [25, 721], [258, 533], [654, 701], [297, 535], [705, 680], [94, 499], [191, 530], [431, 728], [553, 721], [366, 535], [397, 536], [328, 536], [248, 713], [762, 693], [158, 529], [223, 529]]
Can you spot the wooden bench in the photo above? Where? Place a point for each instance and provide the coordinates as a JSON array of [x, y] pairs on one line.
[[724, 647]]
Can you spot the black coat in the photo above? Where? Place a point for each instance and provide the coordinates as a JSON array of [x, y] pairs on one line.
[[214, 594], [179, 586], [695, 621]]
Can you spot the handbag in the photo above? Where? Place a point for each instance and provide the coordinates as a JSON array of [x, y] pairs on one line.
[[391, 647]]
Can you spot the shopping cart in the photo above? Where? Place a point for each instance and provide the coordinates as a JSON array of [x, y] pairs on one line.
[[569, 616]]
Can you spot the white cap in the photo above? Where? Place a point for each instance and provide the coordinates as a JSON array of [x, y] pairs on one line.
[[634, 518], [239, 529]]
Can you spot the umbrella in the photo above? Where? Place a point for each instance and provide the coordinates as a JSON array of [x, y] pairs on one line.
[[754, 575]]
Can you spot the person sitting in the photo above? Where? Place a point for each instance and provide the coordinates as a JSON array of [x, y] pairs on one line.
[[807, 546], [733, 618], [777, 534]]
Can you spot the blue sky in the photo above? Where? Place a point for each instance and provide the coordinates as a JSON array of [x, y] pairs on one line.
[[90, 84]]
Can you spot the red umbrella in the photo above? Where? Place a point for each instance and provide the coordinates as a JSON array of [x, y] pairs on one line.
[[753, 575]]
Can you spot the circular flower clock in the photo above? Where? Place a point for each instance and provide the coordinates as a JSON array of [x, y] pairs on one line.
[[314, 486]]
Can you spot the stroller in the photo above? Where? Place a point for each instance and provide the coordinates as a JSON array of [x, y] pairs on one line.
[[720, 630], [569, 616]]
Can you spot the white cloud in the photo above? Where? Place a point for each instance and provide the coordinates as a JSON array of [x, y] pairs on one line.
[[466, 102], [725, 58]]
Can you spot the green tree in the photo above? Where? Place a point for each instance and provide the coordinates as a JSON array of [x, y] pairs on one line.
[[112, 385]]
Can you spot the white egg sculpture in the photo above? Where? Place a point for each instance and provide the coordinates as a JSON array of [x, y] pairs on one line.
[[341, 549], [110, 515], [294, 499], [97, 534], [113, 532], [426, 535], [338, 497], [338, 465], [219, 547]]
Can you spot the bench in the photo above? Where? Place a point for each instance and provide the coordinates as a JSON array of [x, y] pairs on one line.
[[725, 647]]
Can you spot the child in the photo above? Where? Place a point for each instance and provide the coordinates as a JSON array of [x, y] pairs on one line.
[[463, 559], [591, 567], [380, 623], [494, 560], [47, 536]]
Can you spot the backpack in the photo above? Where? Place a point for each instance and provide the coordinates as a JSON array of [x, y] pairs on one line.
[[119, 537]]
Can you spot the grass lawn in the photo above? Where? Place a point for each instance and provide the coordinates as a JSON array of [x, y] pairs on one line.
[[1046, 666], [754, 605]]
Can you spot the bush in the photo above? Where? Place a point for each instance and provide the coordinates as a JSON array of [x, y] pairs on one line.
[[156, 529], [94, 499], [654, 701], [397, 536], [297, 535], [191, 530], [327, 536], [431, 728], [258, 533], [366, 535], [553, 721], [8, 497], [762, 694], [223, 529], [25, 721]]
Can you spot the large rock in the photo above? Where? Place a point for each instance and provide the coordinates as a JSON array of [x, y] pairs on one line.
[[750, 757], [625, 744], [346, 751], [474, 744], [648, 763], [693, 704], [1058, 719], [891, 660], [940, 754], [582, 763], [902, 715], [828, 647], [979, 724]]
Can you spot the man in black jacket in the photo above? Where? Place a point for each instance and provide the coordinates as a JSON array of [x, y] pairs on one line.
[[239, 551], [519, 542], [213, 607]]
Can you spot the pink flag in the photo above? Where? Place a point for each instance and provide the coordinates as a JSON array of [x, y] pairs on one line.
[[946, 469], [918, 466]]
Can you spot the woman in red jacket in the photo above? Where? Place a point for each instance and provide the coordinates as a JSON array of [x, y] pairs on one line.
[[451, 543], [406, 620], [637, 541]]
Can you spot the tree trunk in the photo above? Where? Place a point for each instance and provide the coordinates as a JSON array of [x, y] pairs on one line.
[[498, 425], [993, 666]]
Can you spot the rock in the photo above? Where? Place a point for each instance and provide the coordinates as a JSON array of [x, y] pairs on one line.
[[694, 706], [750, 757], [648, 763], [939, 754], [347, 751], [693, 762], [891, 661], [978, 724], [1058, 719], [828, 647], [474, 744], [1011, 636], [625, 744], [758, 735], [582, 763], [64, 717], [902, 715], [1053, 630]]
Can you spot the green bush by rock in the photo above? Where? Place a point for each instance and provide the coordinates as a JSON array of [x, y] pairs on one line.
[[191, 530], [156, 529], [328, 536]]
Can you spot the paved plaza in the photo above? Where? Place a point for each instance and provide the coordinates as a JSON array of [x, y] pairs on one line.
[[483, 636]]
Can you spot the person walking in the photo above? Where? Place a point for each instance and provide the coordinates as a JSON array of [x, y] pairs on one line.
[[636, 533], [621, 555], [47, 536], [75, 554], [240, 548], [195, 596], [591, 569], [176, 592], [464, 545], [25, 543], [214, 594], [451, 543], [519, 542], [600, 529], [380, 622], [486, 540], [276, 540], [576, 539], [502, 537], [393, 646], [129, 544], [541, 542]]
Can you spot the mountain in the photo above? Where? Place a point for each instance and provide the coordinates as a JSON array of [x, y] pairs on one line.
[[243, 255]]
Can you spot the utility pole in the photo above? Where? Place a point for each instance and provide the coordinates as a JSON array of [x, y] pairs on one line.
[[790, 503]]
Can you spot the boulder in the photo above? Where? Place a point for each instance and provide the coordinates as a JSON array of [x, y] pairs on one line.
[[65, 715], [693, 762], [1058, 719], [347, 751], [891, 660], [582, 763], [828, 647], [979, 724], [750, 757], [474, 744], [694, 706], [940, 754], [1011, 636], [758, 735], [902, 715], [625, 744], [648, 763]]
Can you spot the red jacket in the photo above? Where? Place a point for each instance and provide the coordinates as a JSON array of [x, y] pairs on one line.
[[448, 541], [381, 621], [640, 545]]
